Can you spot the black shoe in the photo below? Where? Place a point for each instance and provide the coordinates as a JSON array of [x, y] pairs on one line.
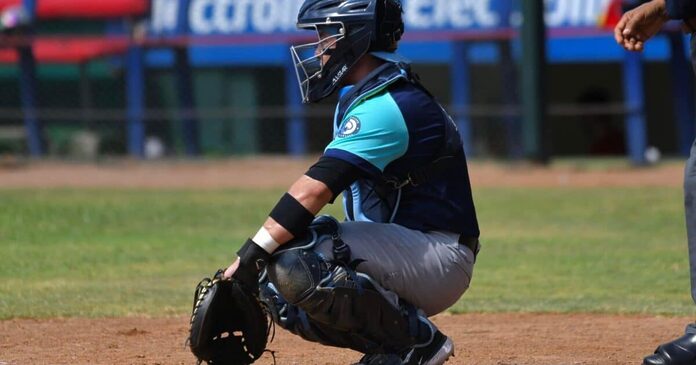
[[434, 352], [379, 359], [681, 351]]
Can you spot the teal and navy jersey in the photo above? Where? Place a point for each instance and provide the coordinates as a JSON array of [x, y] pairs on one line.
[[388, 126]]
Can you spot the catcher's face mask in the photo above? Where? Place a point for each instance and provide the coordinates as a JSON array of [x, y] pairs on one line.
[[346, 30], [313, 60]]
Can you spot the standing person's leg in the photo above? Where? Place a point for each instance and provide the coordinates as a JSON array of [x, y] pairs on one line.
[[682, 351], [690, 196], [690, 209]]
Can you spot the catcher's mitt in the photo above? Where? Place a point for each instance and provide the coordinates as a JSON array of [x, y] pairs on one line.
[[229, 325]]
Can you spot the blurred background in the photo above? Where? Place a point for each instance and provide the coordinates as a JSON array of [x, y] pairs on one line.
[[83, 79]]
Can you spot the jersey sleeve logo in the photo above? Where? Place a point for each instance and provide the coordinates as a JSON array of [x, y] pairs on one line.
[[350, 127]]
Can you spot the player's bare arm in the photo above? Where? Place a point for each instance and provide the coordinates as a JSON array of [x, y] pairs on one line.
[[311, 193], [640, 24]]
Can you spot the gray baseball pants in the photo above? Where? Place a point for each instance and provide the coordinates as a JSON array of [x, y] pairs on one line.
[[430, 270]]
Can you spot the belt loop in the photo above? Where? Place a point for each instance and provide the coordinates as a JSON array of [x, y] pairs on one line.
[[472, 243]]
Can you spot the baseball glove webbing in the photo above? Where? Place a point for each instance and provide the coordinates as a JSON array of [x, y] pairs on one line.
[[229, 324]]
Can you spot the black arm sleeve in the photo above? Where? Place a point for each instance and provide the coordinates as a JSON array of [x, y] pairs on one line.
[[292, 215], [336, 174]]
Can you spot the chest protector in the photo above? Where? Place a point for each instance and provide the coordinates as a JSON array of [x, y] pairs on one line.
[[377, 199]]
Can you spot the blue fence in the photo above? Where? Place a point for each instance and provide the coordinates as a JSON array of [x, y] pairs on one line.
[[457, 33]]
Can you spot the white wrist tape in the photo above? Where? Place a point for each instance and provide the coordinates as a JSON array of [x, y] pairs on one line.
[[264, 240]]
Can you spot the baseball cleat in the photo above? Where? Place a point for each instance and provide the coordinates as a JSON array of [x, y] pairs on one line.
[[681, 351], [435, 352]]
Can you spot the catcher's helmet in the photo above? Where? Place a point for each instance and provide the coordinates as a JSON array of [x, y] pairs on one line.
[[347, 30]]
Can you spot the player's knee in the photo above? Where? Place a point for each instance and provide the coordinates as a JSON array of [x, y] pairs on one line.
[[296, 274]]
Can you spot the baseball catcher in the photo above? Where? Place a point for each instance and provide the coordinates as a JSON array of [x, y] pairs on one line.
[[407, 247]]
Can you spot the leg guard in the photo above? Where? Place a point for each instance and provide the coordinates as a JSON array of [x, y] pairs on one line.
[[343, 308], [326, 301]]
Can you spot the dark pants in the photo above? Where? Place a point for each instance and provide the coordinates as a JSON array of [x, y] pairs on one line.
[[690, 205], [690, 196]]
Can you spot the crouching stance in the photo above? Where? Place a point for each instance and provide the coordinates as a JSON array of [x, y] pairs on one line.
[[407, 247], [319, 288]]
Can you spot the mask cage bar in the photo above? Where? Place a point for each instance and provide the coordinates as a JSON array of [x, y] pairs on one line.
[[304, 66]]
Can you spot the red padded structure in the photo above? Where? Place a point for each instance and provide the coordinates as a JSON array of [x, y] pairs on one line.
[[69, 50], [84, 9], [612, 15]]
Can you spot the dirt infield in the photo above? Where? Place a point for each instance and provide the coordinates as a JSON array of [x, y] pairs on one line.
[[278, 172], [480, 339]]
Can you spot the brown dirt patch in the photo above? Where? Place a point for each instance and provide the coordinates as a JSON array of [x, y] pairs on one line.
[[480, 339], [280, 172]]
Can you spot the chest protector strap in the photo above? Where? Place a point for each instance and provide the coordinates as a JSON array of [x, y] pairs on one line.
[[444, 160]]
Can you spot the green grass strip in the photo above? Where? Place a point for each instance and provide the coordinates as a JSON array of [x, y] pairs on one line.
[[100, 253]]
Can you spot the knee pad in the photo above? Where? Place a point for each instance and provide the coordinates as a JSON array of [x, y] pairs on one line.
[[343, 308], [295, 269], [296, 274], [326, 301]]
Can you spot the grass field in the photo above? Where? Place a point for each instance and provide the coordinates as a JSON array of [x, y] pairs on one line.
[[123, 252]]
